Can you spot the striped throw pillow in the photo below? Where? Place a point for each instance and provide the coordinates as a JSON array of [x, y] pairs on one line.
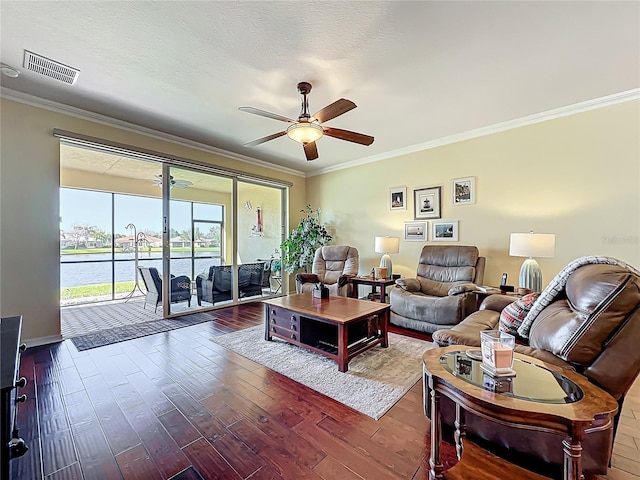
[[513, 314]]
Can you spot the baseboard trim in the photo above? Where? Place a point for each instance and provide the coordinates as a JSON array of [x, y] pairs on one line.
[[36, 342]]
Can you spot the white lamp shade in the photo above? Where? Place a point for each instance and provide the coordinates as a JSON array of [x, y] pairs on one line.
[[532, 245], [387, 245]]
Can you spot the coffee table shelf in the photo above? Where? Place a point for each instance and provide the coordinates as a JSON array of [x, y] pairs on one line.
[[339, 327]]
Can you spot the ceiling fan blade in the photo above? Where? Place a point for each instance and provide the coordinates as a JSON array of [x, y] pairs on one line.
[[348, 135], [335, 109], [264, 113], [311, 150], [264, 139]]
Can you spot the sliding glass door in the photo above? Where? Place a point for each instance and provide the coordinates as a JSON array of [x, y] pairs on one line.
[[222, 238], [260, 227], [198, 239], [132, 223]]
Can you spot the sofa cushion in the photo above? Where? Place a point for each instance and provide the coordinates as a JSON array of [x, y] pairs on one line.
[[431, 287], [448, 263], [468, 331], [425, 308], [513, 314]]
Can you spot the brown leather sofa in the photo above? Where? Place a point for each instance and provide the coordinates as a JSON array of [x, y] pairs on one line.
[[592, 326], [440, 294]]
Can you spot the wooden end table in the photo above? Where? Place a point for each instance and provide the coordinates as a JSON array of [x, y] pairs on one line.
[[338, 327], [374, 283], [541, 396]]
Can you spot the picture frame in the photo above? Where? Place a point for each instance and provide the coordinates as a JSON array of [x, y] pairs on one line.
[[426, 203], [415, 231], [444, 231], [398, 198], [463, 191]]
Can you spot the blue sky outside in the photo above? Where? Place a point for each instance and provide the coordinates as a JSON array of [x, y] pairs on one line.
[[83, 207]]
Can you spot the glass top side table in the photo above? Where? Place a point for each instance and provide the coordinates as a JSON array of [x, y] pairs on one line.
[[572, 405], [532, 382]]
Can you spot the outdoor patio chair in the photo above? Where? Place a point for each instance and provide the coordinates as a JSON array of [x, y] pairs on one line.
[[216, 285], [180, 287]]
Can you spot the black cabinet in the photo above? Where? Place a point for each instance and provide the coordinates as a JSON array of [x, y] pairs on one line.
[[12, 446]]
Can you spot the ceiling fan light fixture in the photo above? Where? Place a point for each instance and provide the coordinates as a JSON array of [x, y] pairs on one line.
[[305, 132]]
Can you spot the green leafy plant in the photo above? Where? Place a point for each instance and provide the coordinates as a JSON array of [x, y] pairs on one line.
[[298, 250]]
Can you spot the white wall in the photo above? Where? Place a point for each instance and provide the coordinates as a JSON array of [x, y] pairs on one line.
[[577, 177]]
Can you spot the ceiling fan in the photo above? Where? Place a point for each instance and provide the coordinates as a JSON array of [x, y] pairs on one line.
[[307, 129], [172, 182]]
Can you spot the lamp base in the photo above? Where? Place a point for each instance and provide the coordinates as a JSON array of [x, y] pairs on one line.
[[385, 262], [531, 275]]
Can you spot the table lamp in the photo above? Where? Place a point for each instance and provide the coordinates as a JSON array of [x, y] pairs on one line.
[[531, 245], [387, 245]]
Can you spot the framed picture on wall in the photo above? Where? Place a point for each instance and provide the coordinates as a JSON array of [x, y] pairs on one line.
[[444, 231], [426, 203], [398, 198], [463, 191], [415, 231]]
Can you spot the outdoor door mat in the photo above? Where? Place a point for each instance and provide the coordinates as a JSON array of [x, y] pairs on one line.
[[129, 332]]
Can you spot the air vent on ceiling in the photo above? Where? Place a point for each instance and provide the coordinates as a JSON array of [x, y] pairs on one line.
[[50, 68]]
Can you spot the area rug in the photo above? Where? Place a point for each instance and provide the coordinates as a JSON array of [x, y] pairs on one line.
[[129, 332], [375, 381]]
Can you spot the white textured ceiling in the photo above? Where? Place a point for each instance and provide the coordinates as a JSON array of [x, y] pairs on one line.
[[418, 71]]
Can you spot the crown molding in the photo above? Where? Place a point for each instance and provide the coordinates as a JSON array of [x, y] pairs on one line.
[[39, 102], [574, 109], [602, 102]]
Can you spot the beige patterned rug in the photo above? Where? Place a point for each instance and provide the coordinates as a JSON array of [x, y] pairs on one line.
[[375, 381]]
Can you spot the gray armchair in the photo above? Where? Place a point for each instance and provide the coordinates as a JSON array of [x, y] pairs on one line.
[[440, 294], [332, 265]]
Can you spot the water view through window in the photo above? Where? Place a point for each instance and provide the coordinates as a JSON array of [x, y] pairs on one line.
[[99, 232]]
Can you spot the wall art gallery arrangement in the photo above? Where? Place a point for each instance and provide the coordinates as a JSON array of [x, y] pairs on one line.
[[427, 203]]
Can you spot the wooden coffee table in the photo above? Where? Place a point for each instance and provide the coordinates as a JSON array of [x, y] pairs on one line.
[[540, 397], [339, 327]]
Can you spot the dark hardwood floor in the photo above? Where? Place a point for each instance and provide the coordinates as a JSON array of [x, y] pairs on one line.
[[178, 406]]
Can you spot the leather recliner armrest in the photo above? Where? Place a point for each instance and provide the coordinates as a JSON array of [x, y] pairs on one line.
[[307, 278], [409, 284], [462, 288], [468, 331], [344, 279], [497, 302]]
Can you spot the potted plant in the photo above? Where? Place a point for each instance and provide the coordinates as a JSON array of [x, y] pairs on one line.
[[298, 250]]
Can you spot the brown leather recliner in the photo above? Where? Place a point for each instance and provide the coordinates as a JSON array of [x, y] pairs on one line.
[[592, 326], [440, 294], [332, 265]]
